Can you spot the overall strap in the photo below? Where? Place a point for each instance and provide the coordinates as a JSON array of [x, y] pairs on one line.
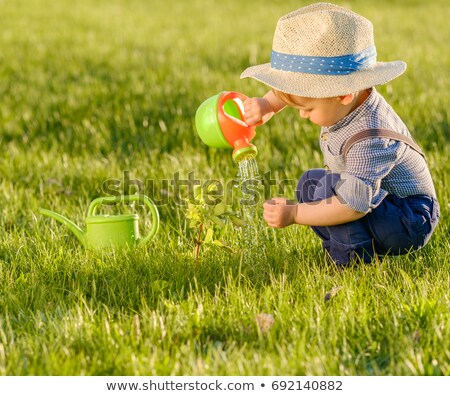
[[381, 133]]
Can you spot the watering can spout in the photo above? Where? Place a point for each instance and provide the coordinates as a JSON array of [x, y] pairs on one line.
[[79, 233]]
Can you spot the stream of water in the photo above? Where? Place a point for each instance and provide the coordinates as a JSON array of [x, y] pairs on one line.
[[250, 186]]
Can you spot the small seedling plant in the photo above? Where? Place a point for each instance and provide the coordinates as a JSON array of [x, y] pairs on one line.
[[208, 216]]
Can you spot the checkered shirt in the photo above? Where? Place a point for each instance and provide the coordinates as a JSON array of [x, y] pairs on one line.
[[374, 167]]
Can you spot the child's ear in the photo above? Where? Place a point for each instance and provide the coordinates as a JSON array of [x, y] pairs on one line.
[[347, 99]]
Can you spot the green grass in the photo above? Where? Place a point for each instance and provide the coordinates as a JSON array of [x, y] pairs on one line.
[[91, 89]]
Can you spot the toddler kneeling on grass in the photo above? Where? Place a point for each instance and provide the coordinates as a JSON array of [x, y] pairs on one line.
[[375, 194]]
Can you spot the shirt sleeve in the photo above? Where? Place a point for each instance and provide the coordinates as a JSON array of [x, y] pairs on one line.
[[367, 163]]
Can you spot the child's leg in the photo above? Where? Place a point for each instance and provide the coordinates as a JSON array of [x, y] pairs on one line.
[[399, 225], [317, 183], [343, 242]]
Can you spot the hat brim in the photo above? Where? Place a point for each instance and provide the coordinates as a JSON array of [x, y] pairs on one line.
[[325, 86]]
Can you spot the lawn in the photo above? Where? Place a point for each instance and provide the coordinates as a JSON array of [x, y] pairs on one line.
[[101, 93]]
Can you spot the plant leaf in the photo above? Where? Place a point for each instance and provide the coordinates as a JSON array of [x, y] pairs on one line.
[[217, 221], [220, 208], [223, 245], [211, 189], [198, 193], [209, 236], [237, 221]]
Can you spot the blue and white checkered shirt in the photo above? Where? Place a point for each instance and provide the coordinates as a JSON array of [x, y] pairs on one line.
[[374, 167]]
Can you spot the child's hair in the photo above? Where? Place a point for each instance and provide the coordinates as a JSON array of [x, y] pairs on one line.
[[285, 97], [289, 99]]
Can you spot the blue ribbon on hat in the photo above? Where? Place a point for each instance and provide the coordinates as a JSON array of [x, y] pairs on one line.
[[328, 65]]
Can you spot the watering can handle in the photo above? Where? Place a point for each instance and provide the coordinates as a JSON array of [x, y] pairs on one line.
[[230, 96], [130, 198]]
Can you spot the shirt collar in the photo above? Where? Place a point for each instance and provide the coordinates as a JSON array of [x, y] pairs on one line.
[[360, 110]]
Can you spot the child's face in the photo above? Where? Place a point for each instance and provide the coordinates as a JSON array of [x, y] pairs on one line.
[[324, 111]]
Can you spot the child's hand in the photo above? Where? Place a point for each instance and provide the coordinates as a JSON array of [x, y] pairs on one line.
[[280, 212], [255, 109]]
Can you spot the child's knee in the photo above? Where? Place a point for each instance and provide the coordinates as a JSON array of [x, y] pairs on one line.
[[307, 184], [316, 184]]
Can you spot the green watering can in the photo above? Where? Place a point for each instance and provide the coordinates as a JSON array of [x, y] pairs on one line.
[[110, 231]]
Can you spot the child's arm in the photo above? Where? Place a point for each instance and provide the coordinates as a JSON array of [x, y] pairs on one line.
[[259, 110], [279, 213]]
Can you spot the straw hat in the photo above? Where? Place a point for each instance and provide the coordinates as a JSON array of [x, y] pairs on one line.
[[321, 51]]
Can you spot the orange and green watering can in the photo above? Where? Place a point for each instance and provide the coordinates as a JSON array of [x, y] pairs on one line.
[[111, 231], [220, 123]]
